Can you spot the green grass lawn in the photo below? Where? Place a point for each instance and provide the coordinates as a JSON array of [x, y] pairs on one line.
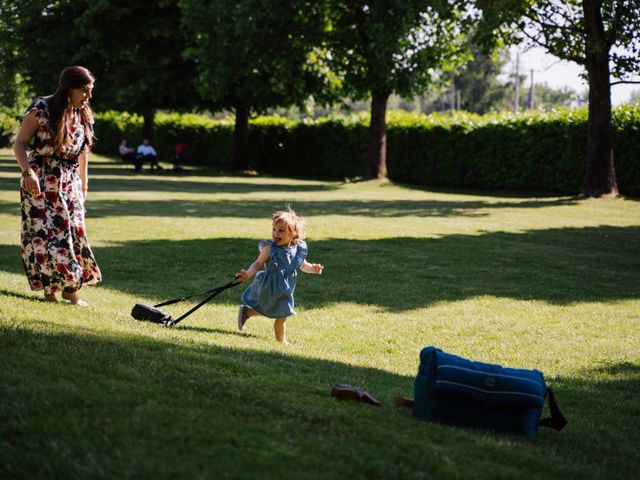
[[542, 282]]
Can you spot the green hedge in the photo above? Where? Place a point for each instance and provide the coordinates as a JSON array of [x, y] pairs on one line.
[[8, 129], [543, 151], [528, 151]]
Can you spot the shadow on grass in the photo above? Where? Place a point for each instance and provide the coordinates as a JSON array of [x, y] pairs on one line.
[[79, 404], [558, 266], [130, 182], [263, 209], [143, 183]]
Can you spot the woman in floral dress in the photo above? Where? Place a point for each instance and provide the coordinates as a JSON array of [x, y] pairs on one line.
[[57, 130]]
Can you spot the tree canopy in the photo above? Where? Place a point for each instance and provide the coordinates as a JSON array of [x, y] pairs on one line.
[[252, 55], [386, 46], [133, 47]]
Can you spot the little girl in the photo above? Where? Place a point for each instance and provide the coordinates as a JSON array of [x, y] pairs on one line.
[[271, 293]]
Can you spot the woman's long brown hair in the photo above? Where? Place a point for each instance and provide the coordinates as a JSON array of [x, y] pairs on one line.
[[59, 107]]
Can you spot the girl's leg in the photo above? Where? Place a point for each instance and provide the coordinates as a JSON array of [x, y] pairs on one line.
[[244, 313], [280, 329]]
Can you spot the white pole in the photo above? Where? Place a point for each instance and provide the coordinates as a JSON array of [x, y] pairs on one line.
[[516, 100]]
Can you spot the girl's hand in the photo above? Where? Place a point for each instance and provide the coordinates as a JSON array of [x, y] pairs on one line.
[[317, 267], [32, 185], [242, 275]]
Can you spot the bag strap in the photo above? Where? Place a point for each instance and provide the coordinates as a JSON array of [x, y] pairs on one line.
[[556, 420], [214, 292], [180, 299], [176, 300]]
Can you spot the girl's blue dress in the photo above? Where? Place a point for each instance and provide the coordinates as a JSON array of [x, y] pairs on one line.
[[271, 292]]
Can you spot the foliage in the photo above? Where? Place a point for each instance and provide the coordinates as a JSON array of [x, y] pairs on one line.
[[8, 128], [604, 38], [398, 46], [15, 94], [524, 281], [532, 150], [41, 38], [478, 84], [560, 29], [111, 127], [135, 49], [255, 53], [547, 97]]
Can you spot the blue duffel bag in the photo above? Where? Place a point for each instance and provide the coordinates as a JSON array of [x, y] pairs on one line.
[[455, 391]]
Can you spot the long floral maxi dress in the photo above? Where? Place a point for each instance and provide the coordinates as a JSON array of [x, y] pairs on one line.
[[55, 249]]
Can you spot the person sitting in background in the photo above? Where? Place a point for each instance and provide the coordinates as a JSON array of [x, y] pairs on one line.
[[182, 154], [128, 155], [146, 152]]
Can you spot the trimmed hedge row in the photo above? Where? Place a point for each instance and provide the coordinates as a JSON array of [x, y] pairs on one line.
[[543, 151], [8, 128]]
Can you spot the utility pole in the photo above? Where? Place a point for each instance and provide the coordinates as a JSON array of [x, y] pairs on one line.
[[532, 99], [516, 100], [458, 94]]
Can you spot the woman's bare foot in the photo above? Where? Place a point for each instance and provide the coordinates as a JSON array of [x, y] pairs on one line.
[[74, 298], [50, 297]]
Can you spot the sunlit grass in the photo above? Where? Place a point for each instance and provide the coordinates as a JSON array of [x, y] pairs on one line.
[[542, 282]]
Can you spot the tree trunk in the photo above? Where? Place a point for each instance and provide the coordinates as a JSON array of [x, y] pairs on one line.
[[148, 127], [241, 138], [377, 161], [600, 178]]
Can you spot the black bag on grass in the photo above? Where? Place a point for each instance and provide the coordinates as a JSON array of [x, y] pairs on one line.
[[147, 313], [455, 391]]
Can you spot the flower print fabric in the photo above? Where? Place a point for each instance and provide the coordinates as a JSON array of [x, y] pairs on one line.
[[55, 250], [271, 292]]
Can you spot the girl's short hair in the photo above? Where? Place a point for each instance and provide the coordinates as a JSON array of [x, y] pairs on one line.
[[295, 224]]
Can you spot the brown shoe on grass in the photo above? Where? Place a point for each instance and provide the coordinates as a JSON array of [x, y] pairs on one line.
[[343, 391]]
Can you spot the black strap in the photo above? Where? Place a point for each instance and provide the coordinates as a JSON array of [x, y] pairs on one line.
[[556, 420], [176, 300], [214, 292], [180, 299]]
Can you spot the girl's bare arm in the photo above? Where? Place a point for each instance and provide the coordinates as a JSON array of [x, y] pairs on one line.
[[255, 266], [307, 267]]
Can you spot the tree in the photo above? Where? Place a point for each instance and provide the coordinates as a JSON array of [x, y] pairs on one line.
[[548, 97], [253, 55], [133, 47], [385, 46], [604, 37], [477, 81], [38, 39], [481, 91], [14, 92]]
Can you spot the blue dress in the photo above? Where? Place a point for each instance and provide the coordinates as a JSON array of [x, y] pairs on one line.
[[271, 292]]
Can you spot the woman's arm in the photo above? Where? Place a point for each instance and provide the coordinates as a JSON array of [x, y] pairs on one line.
[[255, 266], [83, 160], [307, 267], [27, 130]]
